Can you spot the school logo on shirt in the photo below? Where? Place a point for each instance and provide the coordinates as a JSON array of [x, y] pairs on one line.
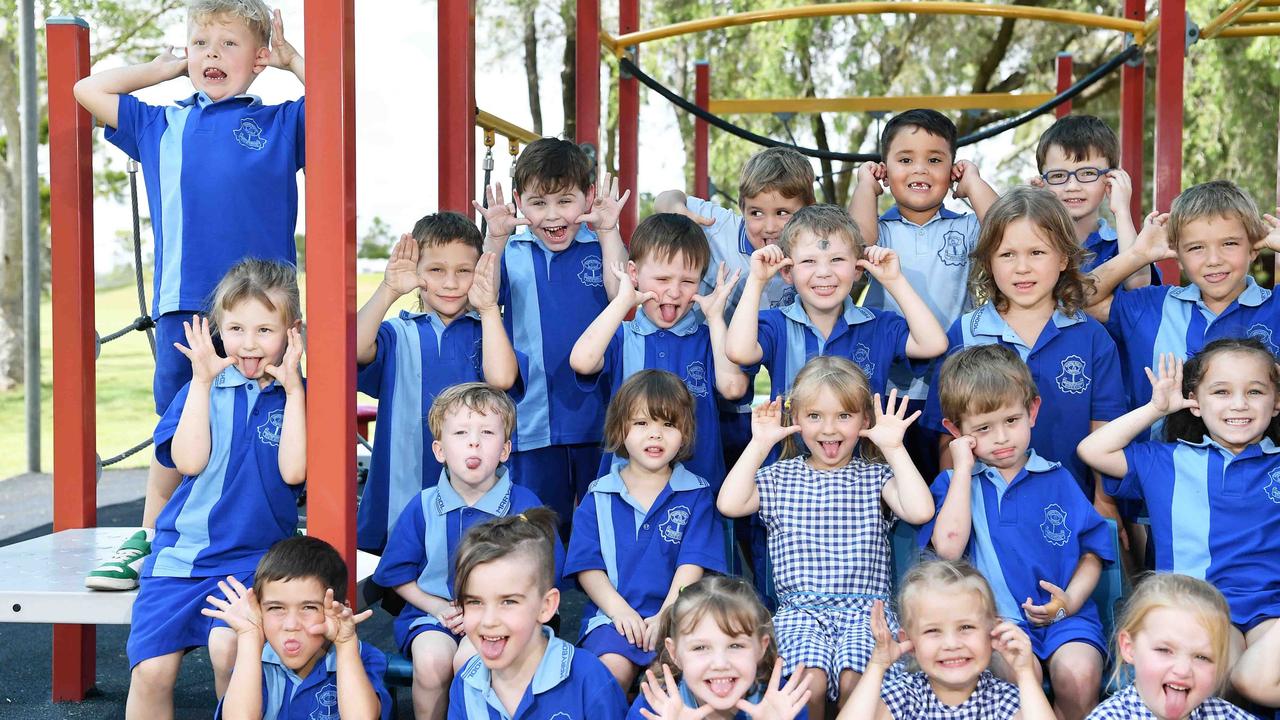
[[1054, 528], [249, 134], [476, 353], [592, 274], [953, 251], [1272, 489], [1072, 378], [326, 703], [862, 356], [672, 529], [695, 378], [561, 716], [269, 430], [1262, 334], [788, 297]]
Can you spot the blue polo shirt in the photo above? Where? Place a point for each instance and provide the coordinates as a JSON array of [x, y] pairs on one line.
[[569, 684], [1035, 527], [418, 356], [685, 350], [1149, 321], [873, 339], [640, 548], [222, 185], [1103, 246], [1076, 368], [548, 300], [285, 696], [221, 521], [935, 261], [729, 245], [422, 544], [1214, 516]]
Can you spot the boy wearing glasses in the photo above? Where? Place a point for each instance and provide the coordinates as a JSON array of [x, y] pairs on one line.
[[1078, 160]]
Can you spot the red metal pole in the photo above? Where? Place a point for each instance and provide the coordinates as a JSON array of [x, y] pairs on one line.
[[586, 96], [1064, 70], [75, 488], [1133, 90], [456, 20], [701, 131], [331, 275], [629, 121], [1171, 51]]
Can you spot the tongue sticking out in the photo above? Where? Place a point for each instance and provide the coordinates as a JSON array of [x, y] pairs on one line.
[[492, 649], [473, 463], [1175, 702], [721, 687], [830, 450], [291, 647], [668, 313], [250, 366]]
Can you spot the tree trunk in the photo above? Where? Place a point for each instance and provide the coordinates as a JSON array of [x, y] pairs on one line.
[[531, 66], [11, 325], [569, 75]]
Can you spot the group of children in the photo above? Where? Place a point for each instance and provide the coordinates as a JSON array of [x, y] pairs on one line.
[[568, 406]]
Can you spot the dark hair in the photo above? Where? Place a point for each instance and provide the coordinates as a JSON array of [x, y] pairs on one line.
[[931, 121], [551, 165], [663, 396], [1080, 136], [666, 235], [301, 557], [1182, 425], [532, 531], [447, 227]]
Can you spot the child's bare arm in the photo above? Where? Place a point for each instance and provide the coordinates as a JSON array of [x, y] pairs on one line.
[[191, 442], [240, 610], [595, 583], [863, 201], [499, 363], [1120, 188], [1103, 449], [292, 455], [954, 524], [444, 610], [356, 696], [731, 382], [971, 186], [675, 201], [739, 495], [399, 279], [905, 492], [283, 55], [926, 338], [742, 342], [100, 93], [1150, 246], [587, 356], [1015, 649]]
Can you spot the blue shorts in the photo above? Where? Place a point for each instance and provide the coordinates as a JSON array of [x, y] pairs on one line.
[[1046, 639], [173, 369], [166, 615], [558, 475], [606, 639], [405, 629]]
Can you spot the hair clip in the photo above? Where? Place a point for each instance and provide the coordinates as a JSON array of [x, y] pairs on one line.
[[522, 517]]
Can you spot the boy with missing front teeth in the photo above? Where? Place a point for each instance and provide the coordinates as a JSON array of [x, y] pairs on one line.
[[220, 169], [556, 279]]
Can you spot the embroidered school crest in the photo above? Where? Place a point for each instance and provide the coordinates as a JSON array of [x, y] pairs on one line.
[[953, 251], [672, 529], [1054, 528], [862, 356], [249, 134], [475, 357], [269, 430], [788, 297], [326, 703], [1262, 334], [592, 273], [1272, 489], [1072, 378], [695, 378]]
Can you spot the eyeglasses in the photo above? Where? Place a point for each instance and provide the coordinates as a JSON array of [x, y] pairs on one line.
[[1084, 175]]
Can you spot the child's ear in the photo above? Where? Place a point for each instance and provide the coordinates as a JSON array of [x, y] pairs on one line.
[[1033, 410], [506, 451], [633, 273], [1124, 642], [764, 647], [550, 604], [1195, 409], [951, 428], [438, 450], [785, 272], [670, 645], [591, 196], [261, 59]]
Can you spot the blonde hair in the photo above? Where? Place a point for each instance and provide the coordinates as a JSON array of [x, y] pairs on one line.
[[732, 604], [270, 282], [935, 575], [532, 532], [836, 376], [253, 13], [824, 222], [659, 394], [982, 379], [1214, 199], [1045, 211], [475, 396], [777, 169], [1182, 592]]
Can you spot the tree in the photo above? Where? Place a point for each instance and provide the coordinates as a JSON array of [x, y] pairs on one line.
[[128, 28], [376, 241]]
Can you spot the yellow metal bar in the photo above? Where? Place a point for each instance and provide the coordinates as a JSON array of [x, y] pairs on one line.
[[1251, 31], [925, 7], [1149, 28], [1226, 18], [609, 42], [980, 101], [1257, 18], [489, 121]]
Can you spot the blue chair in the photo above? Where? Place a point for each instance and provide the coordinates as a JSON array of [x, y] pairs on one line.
[[905, 549]]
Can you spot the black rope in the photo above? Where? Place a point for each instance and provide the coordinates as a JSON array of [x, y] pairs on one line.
[[630, 68], [142, 323], [126, 454], [137, 256]]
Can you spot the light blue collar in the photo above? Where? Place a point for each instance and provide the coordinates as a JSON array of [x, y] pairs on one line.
[[232, 377], [202, 100], [1265, 446], [1105, 232], [987, 321], [1034, 464], [894, 213], [1252, 296], [744, 244], [687, 325], [434, 318], [753, 696], [851, 313], [494, 502], [585, 235], [681, 480], [552, 670]]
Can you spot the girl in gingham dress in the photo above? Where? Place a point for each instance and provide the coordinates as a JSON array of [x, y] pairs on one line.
[[827, 514], [949, 621], [1175, 633]]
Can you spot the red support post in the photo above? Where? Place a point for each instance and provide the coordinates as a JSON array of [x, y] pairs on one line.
[[586, 96], [1133, 91], [629, 122], [1171, 51], [331, 274], [1065, 78], [456, 20], [75, 487], [701, 131]]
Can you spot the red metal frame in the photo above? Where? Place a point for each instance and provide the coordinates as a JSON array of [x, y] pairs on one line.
[[457, 96], [75, 488], [629, 123], [1133, 91], [331, 269], [1063, 68], [586, 94], [701, 131], [1171, 49]]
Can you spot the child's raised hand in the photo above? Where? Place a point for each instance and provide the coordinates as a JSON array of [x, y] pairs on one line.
[[713, 304], [282, 52], [767, 261], [1166, 387], [339, 626], [882, 264], [401, 275], [766, 423], [1271, 241], [891, 423], [964, 174], [888, 649], [780, 702], [1015, 647], [238, 607], [627, 293], [173, 65], [205, 362], [872, 175], [483, 294], [289, 372], [1048, 613], [1120, 188], [607, 206], [1153, 242], [665, 699], [500, 215], [961, 448], [631, 626], [684, 210]]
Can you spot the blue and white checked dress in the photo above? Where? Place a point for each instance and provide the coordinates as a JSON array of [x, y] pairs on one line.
[[1127, 704], [910, 696]]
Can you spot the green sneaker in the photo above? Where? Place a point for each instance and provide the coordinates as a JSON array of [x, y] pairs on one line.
[[121, 571]]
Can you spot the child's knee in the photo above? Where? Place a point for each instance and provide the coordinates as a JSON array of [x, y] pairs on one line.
[[432, 661], [622, 669], [1077, 672], [157, 674], [817, 681], [222, 649]]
